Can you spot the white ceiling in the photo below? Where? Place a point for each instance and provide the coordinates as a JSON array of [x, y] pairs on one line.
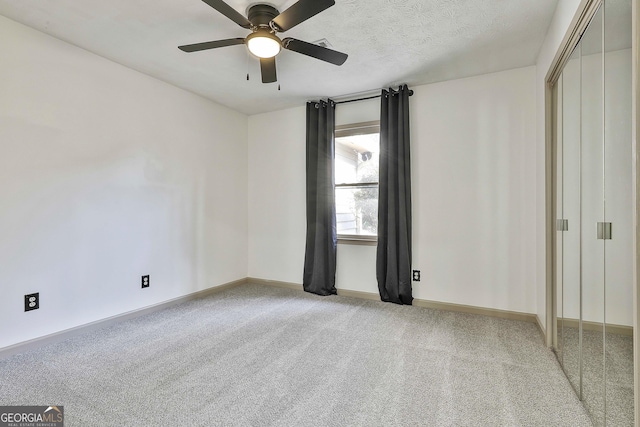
[[388, 41]]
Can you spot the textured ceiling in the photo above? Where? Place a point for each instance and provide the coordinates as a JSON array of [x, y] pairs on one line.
[[388, 42]]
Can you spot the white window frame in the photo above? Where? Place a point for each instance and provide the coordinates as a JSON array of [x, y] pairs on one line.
[[352, 129]]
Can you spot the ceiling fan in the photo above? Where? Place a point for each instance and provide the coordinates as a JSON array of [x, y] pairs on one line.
[[265, 21]]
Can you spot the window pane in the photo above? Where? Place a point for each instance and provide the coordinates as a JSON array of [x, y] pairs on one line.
[[357, 210], [356, 162], [357, 158]]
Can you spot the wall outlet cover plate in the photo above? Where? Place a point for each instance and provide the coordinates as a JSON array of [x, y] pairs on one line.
[[32, 301], [416, 275]]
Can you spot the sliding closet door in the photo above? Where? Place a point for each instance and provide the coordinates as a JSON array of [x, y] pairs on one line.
[[594, 251], [618, 299], [592, 214], [569, 225]]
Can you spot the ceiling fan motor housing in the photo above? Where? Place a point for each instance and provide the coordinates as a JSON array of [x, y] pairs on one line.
[[261, 14]]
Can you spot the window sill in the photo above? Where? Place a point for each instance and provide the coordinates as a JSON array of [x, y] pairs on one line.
[[358, 240]]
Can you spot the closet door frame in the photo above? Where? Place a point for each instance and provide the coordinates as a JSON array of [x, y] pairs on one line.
[[635, 121], [584, 14]]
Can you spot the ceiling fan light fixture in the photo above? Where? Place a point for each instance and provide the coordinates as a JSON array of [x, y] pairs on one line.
[[263, 44]]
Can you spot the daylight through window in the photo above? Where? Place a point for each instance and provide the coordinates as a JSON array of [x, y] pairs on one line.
[[356, 177]]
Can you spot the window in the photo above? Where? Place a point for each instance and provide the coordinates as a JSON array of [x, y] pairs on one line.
[[357, 149]]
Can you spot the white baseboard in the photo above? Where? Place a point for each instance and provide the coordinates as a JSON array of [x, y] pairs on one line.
[[492, 312]]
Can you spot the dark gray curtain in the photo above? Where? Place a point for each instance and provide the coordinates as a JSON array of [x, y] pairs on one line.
[[320, 254], [393, 262]]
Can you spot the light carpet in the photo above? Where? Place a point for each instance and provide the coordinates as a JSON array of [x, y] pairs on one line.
[[618, 393], [258, 356]]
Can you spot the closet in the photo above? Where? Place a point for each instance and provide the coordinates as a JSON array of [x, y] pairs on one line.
[[593, 332]]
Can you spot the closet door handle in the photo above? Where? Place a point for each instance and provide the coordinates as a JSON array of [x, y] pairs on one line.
[[604, 231], [562, 225]]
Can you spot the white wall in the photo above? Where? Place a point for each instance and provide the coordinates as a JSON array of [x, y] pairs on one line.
[[565, 11], [474, 190], [105, 175], [473, 193], [277, 213]]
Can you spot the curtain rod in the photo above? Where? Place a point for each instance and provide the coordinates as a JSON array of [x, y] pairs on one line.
[[365, 98], [358, 99]]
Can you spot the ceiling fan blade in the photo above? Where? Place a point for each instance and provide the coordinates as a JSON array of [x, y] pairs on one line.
[[210, 45], [268, 69], [300, 12], [315, 51], [229, 12]]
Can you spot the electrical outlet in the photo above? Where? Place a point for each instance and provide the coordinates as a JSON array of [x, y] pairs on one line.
[[32, 301], [416, 275], [145, 281]]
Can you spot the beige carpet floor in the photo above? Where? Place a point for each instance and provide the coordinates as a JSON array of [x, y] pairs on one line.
[[261, 356]]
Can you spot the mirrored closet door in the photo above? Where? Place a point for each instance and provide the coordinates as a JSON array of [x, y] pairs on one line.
[[594, 254]]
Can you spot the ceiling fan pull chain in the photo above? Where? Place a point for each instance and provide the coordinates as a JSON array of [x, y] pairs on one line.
[[278, 87], [247, 56]]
